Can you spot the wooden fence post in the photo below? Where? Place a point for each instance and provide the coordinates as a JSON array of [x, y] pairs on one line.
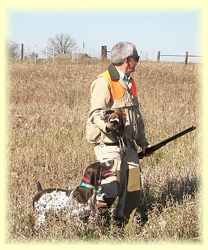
[[158, 56], [186, 57], [104, 52], [22, 52]]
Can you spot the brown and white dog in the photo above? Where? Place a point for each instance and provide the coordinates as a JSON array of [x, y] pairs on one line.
[[74, 203]]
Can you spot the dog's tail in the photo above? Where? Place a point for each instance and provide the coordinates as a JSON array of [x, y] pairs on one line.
[[39, 186]]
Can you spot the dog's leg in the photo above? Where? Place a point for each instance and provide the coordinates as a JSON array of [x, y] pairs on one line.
[[40, 220]]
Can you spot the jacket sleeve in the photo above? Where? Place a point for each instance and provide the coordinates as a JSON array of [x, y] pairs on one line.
[[100, 100]]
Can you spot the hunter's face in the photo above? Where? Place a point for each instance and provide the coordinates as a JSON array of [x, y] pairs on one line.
[[132, 62]]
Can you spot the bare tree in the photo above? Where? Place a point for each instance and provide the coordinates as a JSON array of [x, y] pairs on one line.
[[12, 48], [61, 43]]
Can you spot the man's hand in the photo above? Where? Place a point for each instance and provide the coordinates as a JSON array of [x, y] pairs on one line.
[[144, 146]]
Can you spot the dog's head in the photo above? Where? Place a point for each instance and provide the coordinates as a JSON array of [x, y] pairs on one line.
[[98, 171], [92, 177]]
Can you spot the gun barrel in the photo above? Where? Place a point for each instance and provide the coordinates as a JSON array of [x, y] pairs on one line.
[[163, 143], [179, 134]]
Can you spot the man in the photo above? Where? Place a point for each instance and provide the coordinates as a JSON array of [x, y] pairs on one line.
[[115, 90]]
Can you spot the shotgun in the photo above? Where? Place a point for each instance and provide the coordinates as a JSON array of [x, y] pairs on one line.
[[155, 147]]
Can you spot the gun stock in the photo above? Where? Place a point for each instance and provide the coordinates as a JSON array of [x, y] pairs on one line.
[[155, 147]]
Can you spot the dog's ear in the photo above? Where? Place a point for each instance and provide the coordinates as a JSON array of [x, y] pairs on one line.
[[92, 173]]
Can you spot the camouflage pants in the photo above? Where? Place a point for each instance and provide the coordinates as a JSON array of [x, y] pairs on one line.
[[125, 184]]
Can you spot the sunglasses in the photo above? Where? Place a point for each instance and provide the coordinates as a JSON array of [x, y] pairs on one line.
[[135, 57]]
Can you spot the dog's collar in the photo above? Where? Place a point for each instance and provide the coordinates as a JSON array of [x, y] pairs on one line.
[[87, 185], [85, 182], [85, 179]]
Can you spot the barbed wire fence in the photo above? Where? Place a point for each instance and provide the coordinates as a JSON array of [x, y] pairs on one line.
[[186, 57], [34, 53]]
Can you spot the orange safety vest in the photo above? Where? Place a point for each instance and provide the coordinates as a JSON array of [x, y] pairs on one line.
[[116, 89]]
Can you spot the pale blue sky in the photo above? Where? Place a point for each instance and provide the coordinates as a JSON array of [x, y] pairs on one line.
[[171, 32]]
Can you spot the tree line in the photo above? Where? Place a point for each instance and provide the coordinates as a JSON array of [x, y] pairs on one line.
[[61, 43]]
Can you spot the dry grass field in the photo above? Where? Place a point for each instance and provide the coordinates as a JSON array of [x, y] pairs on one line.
[[48, 104]]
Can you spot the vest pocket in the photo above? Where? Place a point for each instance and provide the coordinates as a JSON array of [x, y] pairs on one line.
[[134, 179]]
